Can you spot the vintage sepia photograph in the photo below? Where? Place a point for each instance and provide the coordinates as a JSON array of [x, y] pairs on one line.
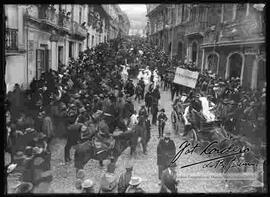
[[135, 98]]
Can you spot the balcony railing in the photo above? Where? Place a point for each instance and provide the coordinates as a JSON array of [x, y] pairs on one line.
[[64, 22], [195, 28], [11, 39], [78, 30]]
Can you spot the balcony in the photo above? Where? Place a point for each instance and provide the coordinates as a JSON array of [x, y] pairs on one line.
[[11, 42], [48, 16], [211, 35], [79, 31], [195, 28], [64, 23]]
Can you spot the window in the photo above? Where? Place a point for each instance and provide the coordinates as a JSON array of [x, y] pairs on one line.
[[193, 14], [93, 38], [80, 16], [241, 11], [87, 40], [179, 15], [213, 62], [80, 47], [60, 54], [228, 12], [194, 52], [214, 15], [185, 13], [70, 52], [11, 39]]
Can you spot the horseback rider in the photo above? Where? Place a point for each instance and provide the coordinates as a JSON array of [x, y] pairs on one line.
[[143, 112], [103, 139]]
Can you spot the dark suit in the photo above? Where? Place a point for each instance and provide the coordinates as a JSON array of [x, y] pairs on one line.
[[165, 153], [168, 181], [73, 135]]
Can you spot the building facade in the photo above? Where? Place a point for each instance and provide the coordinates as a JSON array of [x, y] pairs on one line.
[[228, 39], [40, 37]]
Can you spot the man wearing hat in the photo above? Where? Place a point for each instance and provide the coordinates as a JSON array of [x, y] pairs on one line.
[[24, 187], [154, 109], [125, 178], [129, 108], [108, 183], [72, 113], [162, 118], [47, 126], [134, 185], [165, 152], [168, 180], [88, 186], [141, 83], [143, 112], [73, 136], [104, 137], [83, 116], [148, 100]]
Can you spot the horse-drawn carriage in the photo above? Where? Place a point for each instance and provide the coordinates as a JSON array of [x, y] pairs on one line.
[[202, 130]]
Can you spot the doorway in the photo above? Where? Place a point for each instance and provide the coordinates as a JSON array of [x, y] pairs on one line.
[[235, 65], [194, 52], [70, 49], [42, 60], [170, 48], [180, 50], [60, 54], [212, 62], [261, 74]]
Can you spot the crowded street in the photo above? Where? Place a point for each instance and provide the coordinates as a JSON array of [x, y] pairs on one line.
[[125, 115]]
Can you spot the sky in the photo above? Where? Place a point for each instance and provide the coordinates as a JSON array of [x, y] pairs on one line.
[[136, 14]]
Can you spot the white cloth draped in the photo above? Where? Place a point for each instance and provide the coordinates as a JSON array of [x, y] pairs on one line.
[[206, 110]]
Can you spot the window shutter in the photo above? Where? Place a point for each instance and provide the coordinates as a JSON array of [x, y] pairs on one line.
[[38, 63], [48, 60]]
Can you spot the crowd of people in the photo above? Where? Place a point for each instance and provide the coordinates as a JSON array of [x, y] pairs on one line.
[[64, 104]]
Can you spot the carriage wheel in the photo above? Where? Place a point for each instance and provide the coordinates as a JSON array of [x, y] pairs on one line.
[[192, 136], [223, 132]]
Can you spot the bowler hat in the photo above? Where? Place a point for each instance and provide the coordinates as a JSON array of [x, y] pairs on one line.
[[80, 174], [167, 134], [19, 155], [135, 181], [226, 101], [24, 187], [82, 109], [77, 95], [88, 183]]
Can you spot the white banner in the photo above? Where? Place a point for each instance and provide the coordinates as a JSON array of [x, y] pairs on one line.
[[186, 77]]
